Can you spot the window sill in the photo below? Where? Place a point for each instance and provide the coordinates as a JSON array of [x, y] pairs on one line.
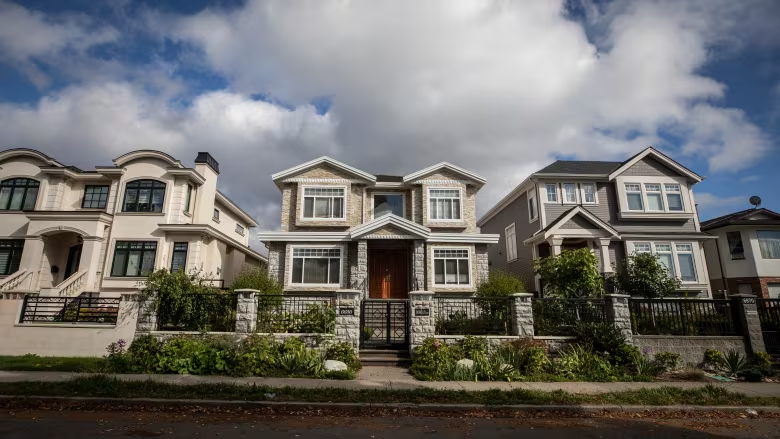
[[141, 213], [125, 278], [216, 220], [186, 213], [511, 260], [532, 220], [454, 287], [655, 216]]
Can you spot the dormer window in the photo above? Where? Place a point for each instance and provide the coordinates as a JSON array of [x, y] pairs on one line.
[[654, 197], [569, 193], [588, 193], [552, 192], [324, 202]]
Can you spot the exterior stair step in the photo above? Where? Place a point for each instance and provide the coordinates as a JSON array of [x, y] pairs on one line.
[[385, 357]]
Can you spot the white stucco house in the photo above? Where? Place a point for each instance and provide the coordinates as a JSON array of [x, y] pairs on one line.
[[65, 231]]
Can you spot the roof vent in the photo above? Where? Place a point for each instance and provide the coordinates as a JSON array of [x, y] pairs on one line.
[[204, 157]]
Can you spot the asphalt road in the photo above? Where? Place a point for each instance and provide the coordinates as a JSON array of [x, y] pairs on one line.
[[34, 423]]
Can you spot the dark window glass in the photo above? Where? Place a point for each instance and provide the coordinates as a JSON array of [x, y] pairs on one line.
[[18, 194], [10, 256], [144, 196], [216, 215], [134, 258], [189, 197], [95, 197], [735, 245], [179, 258]]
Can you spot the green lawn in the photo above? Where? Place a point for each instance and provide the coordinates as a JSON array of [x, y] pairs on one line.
[[103, 386], [55, 364]]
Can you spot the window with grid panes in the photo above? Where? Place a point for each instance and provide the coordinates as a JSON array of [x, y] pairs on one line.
[[18, 194], [316, 266], [179, 256], [144, 196], [95, 197], [323, 202], [634, 196], [10, 255], [444, 204], [552, 192], [569, 191], [686, 262], [654, 199], [588, 193], [673, 197], [133, 258], [451, 267]]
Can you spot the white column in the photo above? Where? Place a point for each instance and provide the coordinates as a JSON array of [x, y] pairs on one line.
[[606, 263], [555, 245], [32, 254], [90, 261]]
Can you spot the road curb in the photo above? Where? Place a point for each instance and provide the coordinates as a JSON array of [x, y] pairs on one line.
[[583, 409]]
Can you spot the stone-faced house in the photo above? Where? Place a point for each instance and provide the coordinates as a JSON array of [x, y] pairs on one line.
[[343, 228], [643, 204]]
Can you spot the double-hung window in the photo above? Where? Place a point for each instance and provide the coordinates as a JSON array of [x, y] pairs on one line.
[[569, 193], [532, 211], [18, 194], [10, 255], [634, 196], [673, 197], [133, 258], [215, 216], [685, 259], [188, 199], [664, 253], [451, 267], [511, 243], [736, 249], [144, 196], [552, 192], [179, 258], [588, 193], [240, 229], [654, 198], [95, 197], [769, 243], [316, 266], [323, 202], [444, 204], [676, 257]]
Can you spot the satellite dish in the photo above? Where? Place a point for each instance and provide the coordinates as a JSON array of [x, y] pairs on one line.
[[755, 201]]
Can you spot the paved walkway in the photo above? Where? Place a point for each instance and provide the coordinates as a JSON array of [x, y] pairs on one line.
[[377, 381]]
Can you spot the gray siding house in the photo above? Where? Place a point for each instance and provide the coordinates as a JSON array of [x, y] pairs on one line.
[[644, 204]]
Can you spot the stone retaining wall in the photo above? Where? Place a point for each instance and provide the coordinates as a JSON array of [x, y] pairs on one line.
[[691, 349]]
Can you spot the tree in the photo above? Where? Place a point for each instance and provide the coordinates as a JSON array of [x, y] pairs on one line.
[[256, 278], [572, 274], [500, 284], [643, 275]]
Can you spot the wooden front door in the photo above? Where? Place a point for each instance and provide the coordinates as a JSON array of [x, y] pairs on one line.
[[388, 272]]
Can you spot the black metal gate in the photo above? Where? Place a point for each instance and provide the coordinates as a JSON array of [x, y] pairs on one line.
[[769, 314], [384, 323]]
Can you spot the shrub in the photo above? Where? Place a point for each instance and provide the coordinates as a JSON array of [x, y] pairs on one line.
[[762, 360], [751, 376], [256, 278], [691, 373], [143, 352], [733, 363], [643, 275], [644, 366], [500, 284], [713, 358], [667, 360], [431, 360], [474, 348], [345, 353], [579, 362], [118, 359], [571, 274], [605, 338]]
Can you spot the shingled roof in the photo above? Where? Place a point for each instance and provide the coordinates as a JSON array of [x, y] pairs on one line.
[[577, 167], [741, 218]]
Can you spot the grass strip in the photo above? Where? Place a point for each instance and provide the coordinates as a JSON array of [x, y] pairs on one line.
[[52, 364], [104, 386]]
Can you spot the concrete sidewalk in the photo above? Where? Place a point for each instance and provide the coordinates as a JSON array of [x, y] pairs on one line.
[[749, 389]]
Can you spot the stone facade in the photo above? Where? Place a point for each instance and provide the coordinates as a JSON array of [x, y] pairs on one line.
[[246, 311], [522, 315], [422, 323], [418, 265], [619, 314], [276, 258], [147, 317], [348, 324], [748, 322], [483, 265], [691, 349]]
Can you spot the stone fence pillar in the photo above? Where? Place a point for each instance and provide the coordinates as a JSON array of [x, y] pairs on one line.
[[746, 320], [422, 318], [246, 311], [147, 316], [522, 315], [348, 317], [619, 314]]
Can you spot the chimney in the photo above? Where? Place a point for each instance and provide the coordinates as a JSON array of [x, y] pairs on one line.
[[206, 158]]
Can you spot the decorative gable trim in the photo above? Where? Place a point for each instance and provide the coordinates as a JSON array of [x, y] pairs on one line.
[[324, 160], [402, 224], [322, 180], [553, 229], [650, 151], [470, 176]]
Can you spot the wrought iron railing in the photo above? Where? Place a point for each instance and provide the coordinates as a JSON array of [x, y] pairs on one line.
[[769, 315], [299, 314], [215, 312], [473, 315], [558, 317], [94, 310], [688, 317]]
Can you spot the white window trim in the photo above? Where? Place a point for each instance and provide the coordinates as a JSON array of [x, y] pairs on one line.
[[531, 196], [576, 194], [507, 242], [290, 249], [403, 202], [685, 194], [595, 193], [469, 251], [557, 193], [428, 201], [677, 273], [323, 186]]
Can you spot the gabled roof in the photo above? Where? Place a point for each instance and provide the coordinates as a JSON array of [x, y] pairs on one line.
[[576, 167], [448, 166], [396, 221], [650, 151], [742, 218], [327, 161], [571, 213], [233, 207]]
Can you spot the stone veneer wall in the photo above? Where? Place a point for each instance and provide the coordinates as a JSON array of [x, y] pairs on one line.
[[276, 258], [481, 260], [419, 264], [691, 349]]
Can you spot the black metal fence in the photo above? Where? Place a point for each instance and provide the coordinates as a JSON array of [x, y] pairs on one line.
[[559, 316], [473, 315], [94, 310], [309, 314], [769, 314], [689, 317], [214, 312]]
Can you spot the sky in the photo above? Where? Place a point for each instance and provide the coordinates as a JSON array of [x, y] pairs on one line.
[[502, 87]]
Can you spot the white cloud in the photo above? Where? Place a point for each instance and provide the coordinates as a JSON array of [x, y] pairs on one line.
[[711, 205]]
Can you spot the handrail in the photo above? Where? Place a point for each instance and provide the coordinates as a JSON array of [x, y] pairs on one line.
[[14, 280], [73, 285]]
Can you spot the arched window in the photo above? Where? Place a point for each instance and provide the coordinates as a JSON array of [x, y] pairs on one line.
[[144, 196], [18, 194]]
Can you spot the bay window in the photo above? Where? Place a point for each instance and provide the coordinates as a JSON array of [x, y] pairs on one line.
[[316, 266], [451, 267], [179, 257], [769, 243], [444, 204], [324, 202]]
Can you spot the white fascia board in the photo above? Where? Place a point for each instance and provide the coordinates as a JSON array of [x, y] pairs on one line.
[[660, 157], [506, 201], [210, 231], [662, 237], [220, 197], [589, 216], [303, 236], [444, 165], [190, 173], [466, 238], [392, 220], [323, 160]]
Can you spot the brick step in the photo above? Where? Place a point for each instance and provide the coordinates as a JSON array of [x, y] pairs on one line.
[[385, 357]]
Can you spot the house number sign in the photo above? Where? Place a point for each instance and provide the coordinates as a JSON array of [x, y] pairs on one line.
[[422, 312], [346, 311]]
